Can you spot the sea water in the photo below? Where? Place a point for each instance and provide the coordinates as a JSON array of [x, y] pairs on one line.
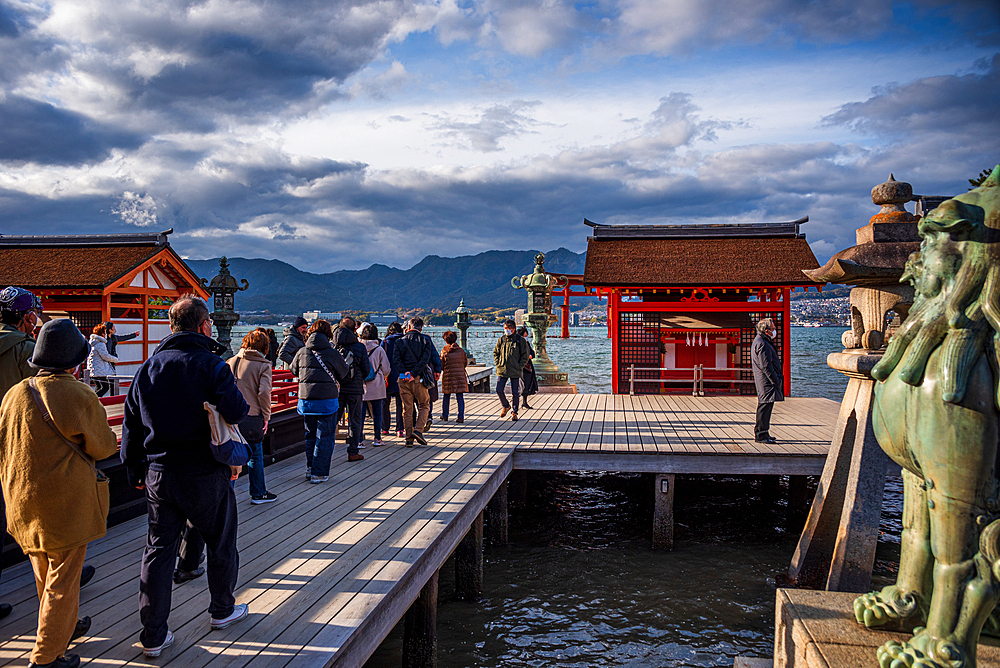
[[579, 585]]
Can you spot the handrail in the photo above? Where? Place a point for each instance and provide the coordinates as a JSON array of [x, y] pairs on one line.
[[697, 380]]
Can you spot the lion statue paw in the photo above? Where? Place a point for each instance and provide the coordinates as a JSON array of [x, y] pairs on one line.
[[879, 608], [921, 651]]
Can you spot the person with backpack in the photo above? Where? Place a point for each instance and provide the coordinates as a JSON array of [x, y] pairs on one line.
[[319, 368], [352, 386], [375, 388], [412, 356], [529, 381], [53, 429], [393, 333]]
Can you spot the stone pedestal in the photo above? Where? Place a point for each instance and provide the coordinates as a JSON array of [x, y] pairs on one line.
[[837, 548], [817, 629]]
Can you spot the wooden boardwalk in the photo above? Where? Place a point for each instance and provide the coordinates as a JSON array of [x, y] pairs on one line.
[[329, 569]]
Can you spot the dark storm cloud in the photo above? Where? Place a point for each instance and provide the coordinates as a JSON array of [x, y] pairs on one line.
[[964, 104], [33, 131]]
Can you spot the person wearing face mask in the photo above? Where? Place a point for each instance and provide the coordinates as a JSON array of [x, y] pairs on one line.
[[510, 355], [767, 377]]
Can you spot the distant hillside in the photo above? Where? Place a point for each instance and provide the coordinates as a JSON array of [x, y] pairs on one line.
[[435, 282]]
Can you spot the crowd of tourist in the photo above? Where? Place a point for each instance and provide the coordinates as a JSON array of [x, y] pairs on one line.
[[54, 429]]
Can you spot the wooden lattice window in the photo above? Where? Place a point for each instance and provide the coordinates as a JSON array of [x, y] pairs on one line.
[[638, 344]]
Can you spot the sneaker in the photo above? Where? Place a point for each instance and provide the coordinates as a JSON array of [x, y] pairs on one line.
[[524, 405], [153, 652], [419, 438], [87, 574], [378, 444], [427, 427], [239, 614], [361, 445], [513, 417], [409, 444], [400, 434], [503, 411], [182, 576], [355, 458], [64, 661], [266, 497], [82, 626], [316, 479]]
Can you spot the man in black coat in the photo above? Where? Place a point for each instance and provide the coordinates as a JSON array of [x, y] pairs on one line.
[[166, 449], [352, 389], [412, 356], [767, 377]]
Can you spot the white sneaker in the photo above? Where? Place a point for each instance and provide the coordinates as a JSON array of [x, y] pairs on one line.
[[153, 652], [239, 613], [316, 479]]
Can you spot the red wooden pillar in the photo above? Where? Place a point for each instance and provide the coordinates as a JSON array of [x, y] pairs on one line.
[[564, 333], [786, 335], [614, 335]]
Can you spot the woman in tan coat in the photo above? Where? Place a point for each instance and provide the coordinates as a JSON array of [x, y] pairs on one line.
[[453, 377], [56, 500], [252, 370]]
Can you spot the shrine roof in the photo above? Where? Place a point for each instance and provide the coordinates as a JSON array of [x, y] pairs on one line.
[[743, 254], [81, 261]]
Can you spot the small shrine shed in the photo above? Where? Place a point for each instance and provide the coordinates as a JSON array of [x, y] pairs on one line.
[[129, 279], [683, 300]]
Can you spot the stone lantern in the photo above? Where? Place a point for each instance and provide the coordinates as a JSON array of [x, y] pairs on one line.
[[224, 288], [837, 548], [462, 323], [539, 317]]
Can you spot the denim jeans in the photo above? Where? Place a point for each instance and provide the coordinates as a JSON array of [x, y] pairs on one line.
[[460, 399], [515, 390], [320, 432], [376, 409], [255, 469]]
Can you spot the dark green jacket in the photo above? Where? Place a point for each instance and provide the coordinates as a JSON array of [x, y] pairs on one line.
[[15, 351], [510, 355]]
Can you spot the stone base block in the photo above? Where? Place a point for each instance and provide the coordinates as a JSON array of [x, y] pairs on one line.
[[557, 389], [817, 629], [745, 662]]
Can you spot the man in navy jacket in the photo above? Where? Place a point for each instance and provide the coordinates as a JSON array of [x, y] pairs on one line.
[[166, 449], [412, 356]]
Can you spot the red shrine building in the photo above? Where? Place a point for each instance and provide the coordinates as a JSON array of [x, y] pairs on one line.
[[683, 301], [129, 279]]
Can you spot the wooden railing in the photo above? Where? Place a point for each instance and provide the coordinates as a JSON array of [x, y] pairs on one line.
[[697, 379]]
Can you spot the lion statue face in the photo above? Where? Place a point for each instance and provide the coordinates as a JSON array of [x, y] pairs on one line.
[[956, 277]]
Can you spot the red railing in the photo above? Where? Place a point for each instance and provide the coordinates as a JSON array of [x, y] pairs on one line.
[[284, 395]]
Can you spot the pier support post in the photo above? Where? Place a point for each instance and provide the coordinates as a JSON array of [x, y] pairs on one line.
[[469, 563], [837, 548], [496, 517], [517, 488], [663, 512], [420, 628]]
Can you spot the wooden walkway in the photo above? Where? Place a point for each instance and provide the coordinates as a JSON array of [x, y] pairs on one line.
[[329, 569]]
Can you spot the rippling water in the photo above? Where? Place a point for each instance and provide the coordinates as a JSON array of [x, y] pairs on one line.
[[579, 585]]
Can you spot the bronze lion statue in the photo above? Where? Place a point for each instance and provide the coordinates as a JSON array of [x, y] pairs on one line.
[[937, 414]]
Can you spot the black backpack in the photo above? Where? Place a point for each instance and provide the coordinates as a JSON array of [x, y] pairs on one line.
[[349, 358]]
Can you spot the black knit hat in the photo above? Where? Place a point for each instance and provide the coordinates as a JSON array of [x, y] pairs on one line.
[[60, 346], [299, 322]]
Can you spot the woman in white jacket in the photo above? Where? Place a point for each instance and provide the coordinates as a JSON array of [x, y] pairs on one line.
[[100, 362], [375, 388]]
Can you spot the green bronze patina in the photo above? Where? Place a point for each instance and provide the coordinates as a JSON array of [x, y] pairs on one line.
[[936, 414], [538, 318]]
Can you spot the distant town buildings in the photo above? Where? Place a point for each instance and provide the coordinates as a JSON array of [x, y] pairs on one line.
[[380, 320], [312, 316]]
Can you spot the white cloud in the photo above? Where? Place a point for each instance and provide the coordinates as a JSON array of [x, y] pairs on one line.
[[135, 209]]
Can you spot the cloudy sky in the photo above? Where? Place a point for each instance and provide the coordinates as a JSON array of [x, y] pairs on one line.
[[334, 134]]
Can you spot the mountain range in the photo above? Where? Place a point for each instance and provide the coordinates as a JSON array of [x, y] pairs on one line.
[[435, 282]]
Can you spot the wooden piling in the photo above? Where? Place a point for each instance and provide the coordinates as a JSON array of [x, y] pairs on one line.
[[663, 511], [420, 628], [517, 488], [469, 563], [496, 517]]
